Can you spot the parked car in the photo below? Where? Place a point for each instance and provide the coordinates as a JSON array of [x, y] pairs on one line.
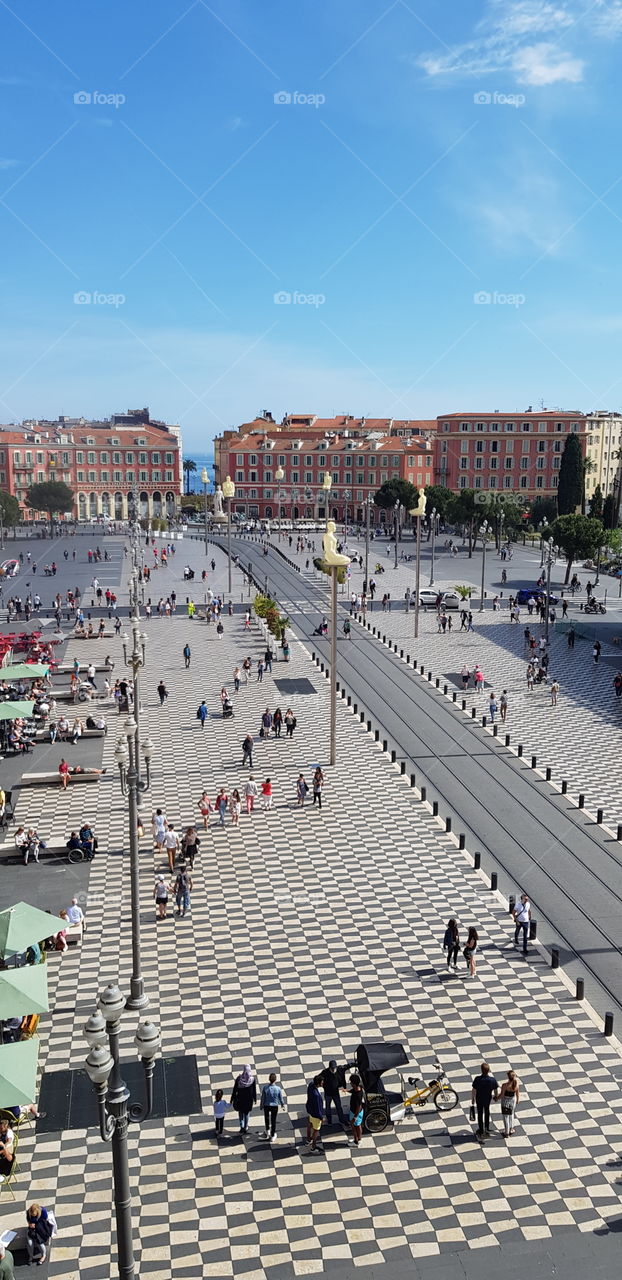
[[450, 599], [537, 593]]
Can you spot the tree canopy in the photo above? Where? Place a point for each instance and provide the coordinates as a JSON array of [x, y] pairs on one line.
[[393, 491], [437, 495], [609, 512], [542, 509], [52, 496], [571, 478], [579, 538], [596, 503], [10, 510]]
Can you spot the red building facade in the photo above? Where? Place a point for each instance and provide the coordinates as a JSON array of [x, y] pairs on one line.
[[520, 453]]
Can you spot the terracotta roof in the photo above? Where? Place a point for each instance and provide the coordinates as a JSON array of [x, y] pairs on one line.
[[388, 444]]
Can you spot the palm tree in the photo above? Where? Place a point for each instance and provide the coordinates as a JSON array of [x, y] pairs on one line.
[[189, 467]]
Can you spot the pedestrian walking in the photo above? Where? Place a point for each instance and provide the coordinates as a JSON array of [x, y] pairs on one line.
[[158, 828], [247, 750], [478, 679], [260, 671], [347, 630], [451, 943], [463, 619], [220, 1110], [301, 789], [268, 656], [318, 783], [266, 793], [220, 630], [332, 1087], [492, 708], [251, 792], [190, 846], [221, 805], [172, 845], [509, 1096], [277, 722], [469, 950], [571, 637], [236, 679], [465, 675], [503, 706], [235, 805], [483, 1090], [315, 1115], [187, 652], [470, 626], [596, 648], [244, 1095], [531, 675], [522, 916], [160, 894], [271, 1099], [204, 807], [290, 722], [162, 692], [266, 723], [554, 692], [357, 1109], [617, 684], [202, 713]]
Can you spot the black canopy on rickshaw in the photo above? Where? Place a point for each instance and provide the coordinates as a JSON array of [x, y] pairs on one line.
[[375, 1058]]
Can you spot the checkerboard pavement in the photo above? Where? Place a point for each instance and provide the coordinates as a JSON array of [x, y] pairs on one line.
[[308, 933]]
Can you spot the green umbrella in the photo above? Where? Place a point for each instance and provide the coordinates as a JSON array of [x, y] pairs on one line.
[[24, 991], [24, 671], [18, 1073], [22, 924], [12, 710]]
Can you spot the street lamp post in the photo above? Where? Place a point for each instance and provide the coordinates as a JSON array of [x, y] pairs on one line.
[[433, 522], [550, 561], [543, 526], [205, 482], [327, 483], [136, 661], [347, 494], [126, 756], [484, 532], [418, 511], [228, 490], [396, 526], [279, 477], [369, 501], [113, 1103]]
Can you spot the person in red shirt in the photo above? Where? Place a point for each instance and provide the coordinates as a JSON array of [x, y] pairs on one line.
[[63, 770], [266, 791]]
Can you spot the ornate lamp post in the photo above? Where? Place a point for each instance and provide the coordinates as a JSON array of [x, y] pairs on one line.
[[485, 531], [433, 527], [418, 511], [113, 1103], [326, 486], [136, 661], [369, 502], [126, 757], [205, 482], [550, 554], [279, 477], [542, 528], [228, 490]]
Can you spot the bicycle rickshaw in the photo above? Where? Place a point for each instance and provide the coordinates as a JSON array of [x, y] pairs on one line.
[[383, 1106]]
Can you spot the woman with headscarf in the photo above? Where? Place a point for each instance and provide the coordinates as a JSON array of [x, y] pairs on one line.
[[244, 1095]]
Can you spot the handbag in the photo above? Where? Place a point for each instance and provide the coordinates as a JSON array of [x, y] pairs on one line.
[[472, 1111]]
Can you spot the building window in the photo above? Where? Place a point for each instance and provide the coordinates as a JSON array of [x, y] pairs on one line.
[[464, 462], [524, 482], [509, 463], [295, 460], [464, 446], [80, 476], [507, 482], [308, 461], [295, 477], [92, 477], [479, 426], [477, 483], [168, 476], [526, 446], [104, 477], [116, 457], [509, 446], [40, 459], [541, 446], [539, 482], [556, 464], [142, 458], [103, 457], [524, 464], [90, 457], [281, 459], [492, 482], [335, 462], [267, 477], [143, 477], [493, 464], [252, 493], [252, 477], [360, 478], [464, 426], [335, 477], [79, 456], [239, 475], [41, 477], [129, 475], [155, 477], [540, 464], [493, 426], [557, 446], [479, 446], [322, 460], [509, 426], [308, 477], [168, 458], [155, 459], [396, 462], [463, 482], [253, 459], [129, 457]]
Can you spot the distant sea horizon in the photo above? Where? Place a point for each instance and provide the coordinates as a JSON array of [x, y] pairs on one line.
[[201, 460]]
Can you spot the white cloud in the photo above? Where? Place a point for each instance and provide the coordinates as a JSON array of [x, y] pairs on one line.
[[8, 164], [543, 63], [525, 210], [503, 41]]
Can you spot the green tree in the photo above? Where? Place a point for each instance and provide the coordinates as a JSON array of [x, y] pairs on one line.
[[596, 503], [189, 467], [10, 510], [609, 512], [571, 478], [52, 496], [393, 491], [437, 495], [542, 509], [589, 467], [465, 508], [579, 538]]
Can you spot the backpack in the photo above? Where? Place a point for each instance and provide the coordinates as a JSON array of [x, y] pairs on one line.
[[199, 714]]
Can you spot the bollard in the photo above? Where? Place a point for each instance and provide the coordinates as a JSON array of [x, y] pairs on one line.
[[384, 639], [495, 730], [437, 683], [464, 705], [548, 773], [422, 670], [403, 767], [435, 808], [393, 757], [448, 824], [484, 721], [519, 750], [554, 957], [343, 693], [362, 717], [533, 930], [369, 726], [564, 786], [507, 739], [493, 880], [473, 713], [321, 666], [377, 735], [369, 626], [599, 815], [580, 989], [423, 794], [408, 659], [477, 861], [401, 653], [385, 745], [412, 780], [312, 656], [619, 832], [454, 696], [582, 802], [534, 762], [337, 686], [349, 700], [445, 690], [429, 675], [608, 1028], [462, 840], [355, 708]]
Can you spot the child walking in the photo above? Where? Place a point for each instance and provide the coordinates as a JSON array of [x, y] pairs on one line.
[[220, 1110]]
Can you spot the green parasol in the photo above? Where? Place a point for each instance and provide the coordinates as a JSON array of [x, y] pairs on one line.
[[18, 1073], [13, 710], [24, 991], [22, 924], [24, 671]]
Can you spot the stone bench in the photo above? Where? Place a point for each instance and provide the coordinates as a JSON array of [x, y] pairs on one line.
[[66, 668], [43, 735], [47, 779]]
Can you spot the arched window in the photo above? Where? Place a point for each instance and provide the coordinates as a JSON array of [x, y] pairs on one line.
[[144, 504], [170, 505], [93, 511], [106, 505], [118, 506], [81, 506], [156, 500], [268, 513]]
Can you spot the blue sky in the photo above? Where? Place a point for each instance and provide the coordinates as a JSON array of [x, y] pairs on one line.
[[402, 208]]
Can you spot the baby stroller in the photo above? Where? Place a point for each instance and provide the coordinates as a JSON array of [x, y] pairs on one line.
[[227, 709]]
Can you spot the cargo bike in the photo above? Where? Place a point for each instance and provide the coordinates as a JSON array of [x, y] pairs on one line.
[[383, 1106]]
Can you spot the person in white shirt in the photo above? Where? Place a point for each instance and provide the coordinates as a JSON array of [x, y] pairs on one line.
[[75, 914], [158, 827], [90, 675], [522, 916], [251, 791], [172, 845]]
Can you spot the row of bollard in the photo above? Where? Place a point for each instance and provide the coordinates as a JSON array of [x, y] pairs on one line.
[[477, 857]]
